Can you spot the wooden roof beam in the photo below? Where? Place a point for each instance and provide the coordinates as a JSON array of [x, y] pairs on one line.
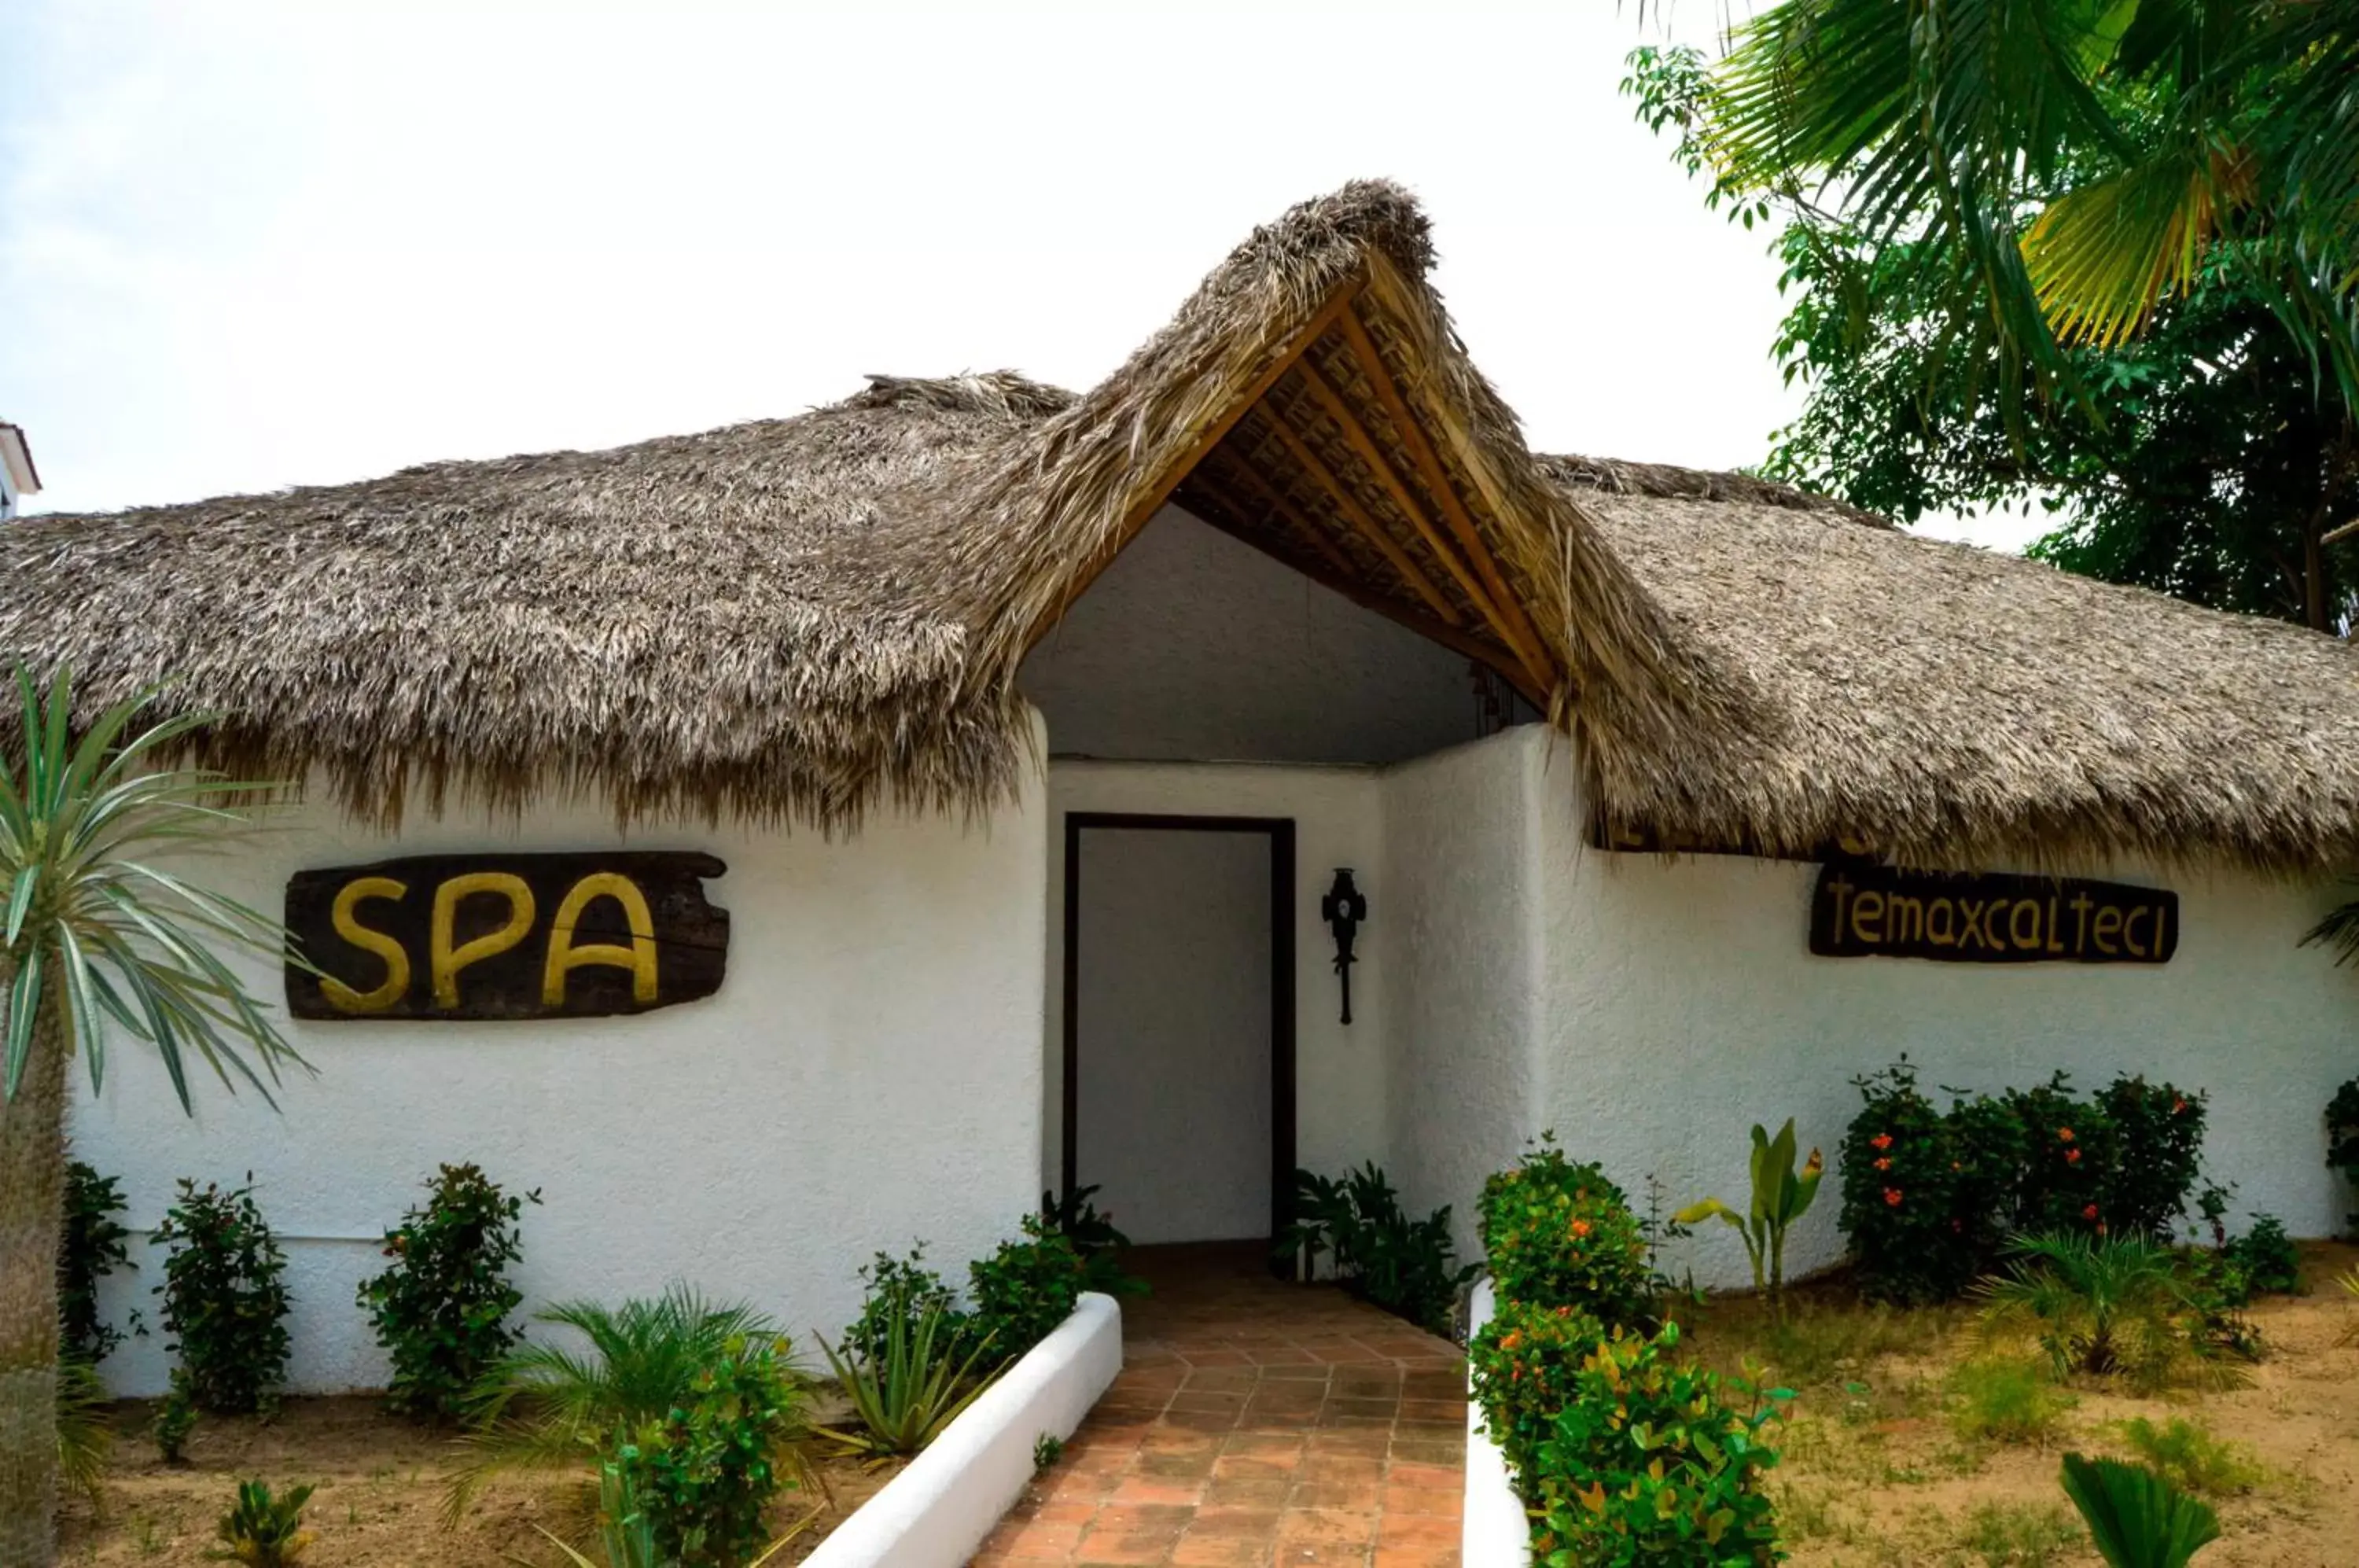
[[1357, 515], [1363, 348], [1355, 434], [1226, 472], [1344, 585]]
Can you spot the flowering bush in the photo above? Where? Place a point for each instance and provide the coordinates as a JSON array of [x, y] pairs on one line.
[[1651, 1460], [1931, 1197], [441, 1309], [1527, 1357], [1560, 1233]]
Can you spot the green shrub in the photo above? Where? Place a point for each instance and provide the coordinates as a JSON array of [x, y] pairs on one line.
[[441, 1310], [1999, 1400], [2343, 1140], [896, 1290], [1930, 1197], [708, 1469], [913, 1386], [1381, 1255], [176, 1421], [262, 1531], [1022, 1292], [1075, 1217], [224, 1299], [89, 1248], [1558, 1234], [1527, 1360], [2099, 1306], [2266, 1257], [2191, 1458], [1655, 1462]]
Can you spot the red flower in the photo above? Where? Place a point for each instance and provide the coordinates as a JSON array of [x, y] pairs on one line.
[[1958, 1227], [1882, 1141], [2177, 1106], [1892, 1197], [2072, 1157], [2090, 1213]]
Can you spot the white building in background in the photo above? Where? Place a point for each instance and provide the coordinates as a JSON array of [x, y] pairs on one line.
[[18, 477], [803, 838]]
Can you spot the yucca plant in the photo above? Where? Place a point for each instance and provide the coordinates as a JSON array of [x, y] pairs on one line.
[[2098, 1305], [96, 938], [903, 1398], [263, 1530], [1780, 1196], [2138, 1518], [548, 1404]]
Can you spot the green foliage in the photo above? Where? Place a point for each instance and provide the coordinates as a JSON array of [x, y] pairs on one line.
[[1780, 1196], [2343, 1114], [442, 1309], [263, 1530], [1930, 1197], [2000, 1400], [2136, 1518], [2268, 1257], [2192, 1459], [2062, 253], [1557, 1232], [706, 1471], [895, 1291], [1075, 1217], [550, 1404], [89, 1248], [626, 1537], [1652, 1462], [1381, 1255], [1047, 1449], [903, 1397], [1526, 1362], [84, 919], [84, 1438], [2020, 1535], [1022, 1292], [175, 1420], [224, 1299], [2102, 1306]]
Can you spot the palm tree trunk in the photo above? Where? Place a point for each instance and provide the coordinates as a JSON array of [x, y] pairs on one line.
[[32, 1193]]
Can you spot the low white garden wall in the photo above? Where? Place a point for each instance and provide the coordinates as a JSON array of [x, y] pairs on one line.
[[935, 1513], [1497, 1534]]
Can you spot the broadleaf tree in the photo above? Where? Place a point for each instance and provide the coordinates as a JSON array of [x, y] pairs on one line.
[[2099, 258], [98, 941]]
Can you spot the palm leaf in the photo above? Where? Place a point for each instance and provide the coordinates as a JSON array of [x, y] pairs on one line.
[[2138, 1518]]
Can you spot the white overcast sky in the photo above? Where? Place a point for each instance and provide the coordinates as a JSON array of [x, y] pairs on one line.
[[245, 245]]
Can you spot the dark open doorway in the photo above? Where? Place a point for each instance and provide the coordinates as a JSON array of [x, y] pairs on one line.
[[1277, 836]]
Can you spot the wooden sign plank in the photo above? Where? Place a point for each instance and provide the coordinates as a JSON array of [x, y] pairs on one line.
[[1858, 911], [505, 936]]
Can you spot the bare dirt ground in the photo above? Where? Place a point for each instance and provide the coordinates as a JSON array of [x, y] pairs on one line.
[[379, 1500], [1878, 1470]]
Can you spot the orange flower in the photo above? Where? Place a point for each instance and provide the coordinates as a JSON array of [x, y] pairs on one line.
[[2177, 1106], [1513, 1338], [1892, 1196], [1882, 1141], [2063, 1135], [1580, 1227], [1884, 1162]]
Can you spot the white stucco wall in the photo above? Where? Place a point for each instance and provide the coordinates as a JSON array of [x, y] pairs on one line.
[[1195, 648], [1173, 1114], [1339, 1070], [869, 1073], [1461, 986], [1680, 1004]]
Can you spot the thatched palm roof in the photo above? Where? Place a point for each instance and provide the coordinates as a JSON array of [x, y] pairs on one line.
[[803, 617]]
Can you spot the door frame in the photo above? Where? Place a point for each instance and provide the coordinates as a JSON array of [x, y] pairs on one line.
[[1282, 1101]]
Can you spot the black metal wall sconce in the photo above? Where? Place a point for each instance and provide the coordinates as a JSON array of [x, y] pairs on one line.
[[1343, 908]]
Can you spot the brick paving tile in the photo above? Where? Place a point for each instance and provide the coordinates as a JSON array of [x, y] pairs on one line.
[[1255, 1424]]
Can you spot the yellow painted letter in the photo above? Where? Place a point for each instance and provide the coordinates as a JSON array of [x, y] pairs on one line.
[[343, 998], [447, 962], [639, 958]]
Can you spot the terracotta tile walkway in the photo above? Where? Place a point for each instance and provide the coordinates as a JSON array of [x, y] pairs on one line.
[[1255, 1424]]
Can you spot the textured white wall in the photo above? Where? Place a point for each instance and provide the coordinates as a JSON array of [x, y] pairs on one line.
[[1195, 648], [1339, 1071], [868, 1073], [1174, 1044], [1460, 989], [1680, 1004]]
